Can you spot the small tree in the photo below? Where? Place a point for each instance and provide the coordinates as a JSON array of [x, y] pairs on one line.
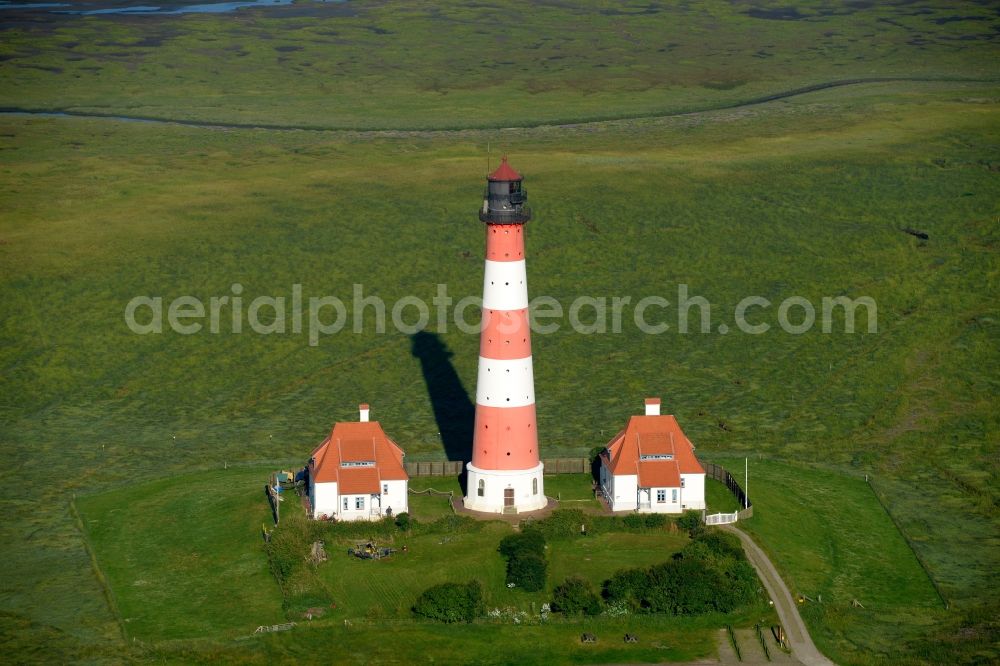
[[575, 596], [527, 571]]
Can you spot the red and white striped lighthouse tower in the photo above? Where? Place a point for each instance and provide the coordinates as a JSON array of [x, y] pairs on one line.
[[505, 475]]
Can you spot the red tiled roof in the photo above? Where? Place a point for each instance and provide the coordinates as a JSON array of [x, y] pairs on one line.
[[357, 441], [358, 450], [504, 171], [659, 474], [359, 481], [652, 435]]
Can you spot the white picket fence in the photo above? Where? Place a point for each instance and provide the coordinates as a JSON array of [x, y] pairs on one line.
[[722, 518]]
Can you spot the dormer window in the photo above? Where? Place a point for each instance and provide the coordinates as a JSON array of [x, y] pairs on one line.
[[357, 463]]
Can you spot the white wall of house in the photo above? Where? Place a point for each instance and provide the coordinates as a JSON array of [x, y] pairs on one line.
[[358, 507], [693, 492], [624, 492], [622, 489], [323, 498], [663, 500], [394, 494], [326, 501]]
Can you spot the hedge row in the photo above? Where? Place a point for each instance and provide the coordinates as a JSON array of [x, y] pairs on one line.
[[570, 523]]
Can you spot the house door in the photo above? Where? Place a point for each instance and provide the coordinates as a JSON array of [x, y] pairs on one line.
[[508, 497]]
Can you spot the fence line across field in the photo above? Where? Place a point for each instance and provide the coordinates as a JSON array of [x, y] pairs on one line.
[[456, 467]]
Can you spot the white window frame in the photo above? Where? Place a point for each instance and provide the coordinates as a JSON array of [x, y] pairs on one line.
[[673, 496], [359, 503], [661, 495]]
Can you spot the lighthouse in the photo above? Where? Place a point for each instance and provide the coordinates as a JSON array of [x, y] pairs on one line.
[[505, 475]]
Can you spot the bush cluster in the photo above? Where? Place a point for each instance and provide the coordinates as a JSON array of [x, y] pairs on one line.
[[526, 565], [451, 602], [575, 596], [287, 548], [690, 521], [638, 521], [710, 574]]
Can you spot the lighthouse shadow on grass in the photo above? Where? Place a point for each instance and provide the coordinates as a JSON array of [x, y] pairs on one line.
[[454, 412]]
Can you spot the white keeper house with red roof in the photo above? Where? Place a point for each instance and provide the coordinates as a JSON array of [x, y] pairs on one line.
[[650, 466], [357, 473]]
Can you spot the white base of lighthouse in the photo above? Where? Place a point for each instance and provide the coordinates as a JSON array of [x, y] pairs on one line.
[[504, 490]]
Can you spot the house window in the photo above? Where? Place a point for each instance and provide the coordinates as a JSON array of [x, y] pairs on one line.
[[656, 456], [482, 488], [661, 496], [359, 503], [682, 482], [673, 496], [385, 488], [345, 504], [534, 486]]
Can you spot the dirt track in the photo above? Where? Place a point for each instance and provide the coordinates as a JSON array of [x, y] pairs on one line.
[[785, 94], [795, 629]]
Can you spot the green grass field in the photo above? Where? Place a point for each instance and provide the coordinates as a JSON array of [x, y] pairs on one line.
[[838, 545], [718, 499], [353, 65], [179, 569], [806, 196], [183, 555]]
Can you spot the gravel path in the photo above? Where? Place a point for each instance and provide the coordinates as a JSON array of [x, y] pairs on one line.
[[795, 629]]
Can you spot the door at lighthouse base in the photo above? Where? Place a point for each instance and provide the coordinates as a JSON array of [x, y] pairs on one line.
[[508, 497]]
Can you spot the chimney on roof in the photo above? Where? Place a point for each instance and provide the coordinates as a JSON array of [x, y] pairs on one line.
[[363, 409], [652, 406]]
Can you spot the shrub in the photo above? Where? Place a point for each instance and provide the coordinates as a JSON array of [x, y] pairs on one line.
[[564, 523], [529, 541], [527, 571], [626, 585], [288, 547], [575, 596], [710, 574], [403, 521], [451, 602], [525, 553], [645, 521], [634, 521], [690, 521], [654, 520], [720, 543]]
